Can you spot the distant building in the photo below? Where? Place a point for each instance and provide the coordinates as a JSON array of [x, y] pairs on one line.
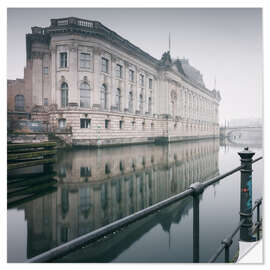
[[248, 122], [94, 87]]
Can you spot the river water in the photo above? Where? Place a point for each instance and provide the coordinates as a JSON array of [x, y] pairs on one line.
[[98, 186]]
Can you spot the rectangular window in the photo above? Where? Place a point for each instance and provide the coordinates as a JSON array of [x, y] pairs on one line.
[[121, 122], [63, 60], [85, 59], [143, 125], [45, 102], [131, 75], [62, 22], [62, 123], [150, 83], [85, 172], [133, 124], [141, 79], [104, 65], [85, 123], [107, 123], [119, 71], [45, 70]]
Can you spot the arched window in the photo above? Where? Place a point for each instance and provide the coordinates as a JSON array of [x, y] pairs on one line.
[[103, 96], [118, 99], [173, 108], [64, 95], [141, 104], [19, 103], [173, 102], [130, 102], [150, 105], [85, 95]]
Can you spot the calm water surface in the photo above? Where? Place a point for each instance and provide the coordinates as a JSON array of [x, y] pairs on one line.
[[97, 187]]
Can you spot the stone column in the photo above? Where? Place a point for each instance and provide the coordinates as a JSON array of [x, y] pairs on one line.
[[73, 92], [137, 90], [186, 104], [37, 78], [53, 74], [114, 86], [154, 97], [97, 78], [125, 90]]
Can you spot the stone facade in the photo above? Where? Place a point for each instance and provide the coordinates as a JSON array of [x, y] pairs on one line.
[[89, 80]]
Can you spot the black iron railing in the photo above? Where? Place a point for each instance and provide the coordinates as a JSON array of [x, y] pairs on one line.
[[194, 190], [227, 242]]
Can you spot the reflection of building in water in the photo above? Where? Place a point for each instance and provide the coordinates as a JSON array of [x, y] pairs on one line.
[[100, 186], [109, 248], [41, 224]]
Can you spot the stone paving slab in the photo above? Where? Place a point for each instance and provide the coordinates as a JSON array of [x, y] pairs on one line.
[[250, 252]]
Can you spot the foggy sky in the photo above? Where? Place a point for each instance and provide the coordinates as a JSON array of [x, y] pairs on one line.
[[225, 43]]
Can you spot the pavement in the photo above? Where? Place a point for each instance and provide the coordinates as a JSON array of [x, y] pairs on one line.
[[250, 252]]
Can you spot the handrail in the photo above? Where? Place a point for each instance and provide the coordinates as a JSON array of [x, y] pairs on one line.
[[217, 178], [194, 189], [226, 243]]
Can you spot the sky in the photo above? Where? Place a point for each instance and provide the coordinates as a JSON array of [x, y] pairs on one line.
[[223, 43]]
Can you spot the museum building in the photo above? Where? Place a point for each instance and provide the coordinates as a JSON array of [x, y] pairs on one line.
[[93, 87]]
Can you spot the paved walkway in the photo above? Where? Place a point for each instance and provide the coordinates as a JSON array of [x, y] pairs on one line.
[[250, 252]]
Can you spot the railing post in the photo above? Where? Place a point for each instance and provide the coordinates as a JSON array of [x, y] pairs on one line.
[[246, 195], [227, 242], [197, 190], [259, 202]]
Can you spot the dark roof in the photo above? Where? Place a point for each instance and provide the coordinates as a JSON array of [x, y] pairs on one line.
[[192, 73]]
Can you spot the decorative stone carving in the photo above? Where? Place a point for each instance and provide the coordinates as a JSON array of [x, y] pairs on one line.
[[97, 51], [62, 79], [114, 58], [53, 107], [39, 108]]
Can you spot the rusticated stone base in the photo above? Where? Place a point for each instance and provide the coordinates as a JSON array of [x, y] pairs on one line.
[[27, 137], [111, 142]]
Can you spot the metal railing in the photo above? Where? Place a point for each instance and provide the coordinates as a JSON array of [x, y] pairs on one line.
[[194, 190], [227, 242]]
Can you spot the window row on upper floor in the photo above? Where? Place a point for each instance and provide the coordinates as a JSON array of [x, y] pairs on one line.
[[86, 61], [85, 98]]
